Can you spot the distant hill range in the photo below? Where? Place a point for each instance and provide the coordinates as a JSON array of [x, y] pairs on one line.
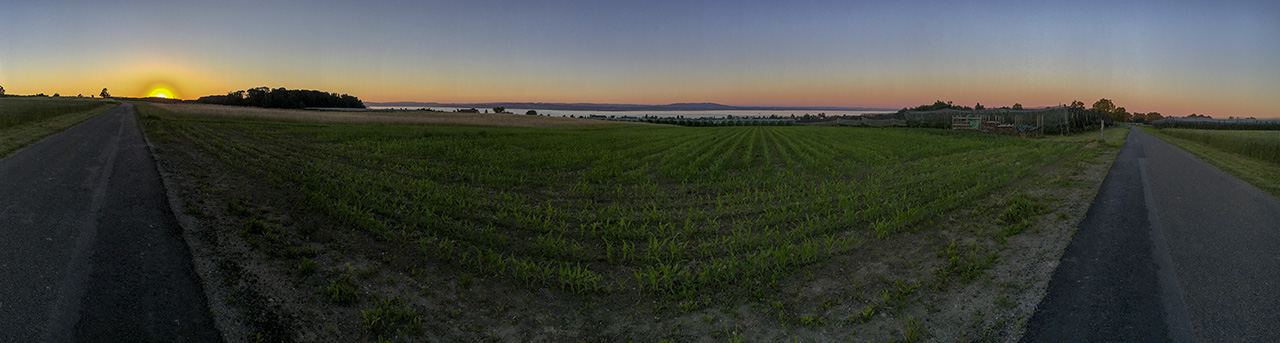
[[700, 106]]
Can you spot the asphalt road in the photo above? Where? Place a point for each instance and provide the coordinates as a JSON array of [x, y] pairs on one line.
[[89, 250], [1172, 249]]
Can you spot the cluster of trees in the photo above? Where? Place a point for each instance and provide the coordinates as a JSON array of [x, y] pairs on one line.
[[720, 122], [1119, 114], [284, 98], [939, 105]]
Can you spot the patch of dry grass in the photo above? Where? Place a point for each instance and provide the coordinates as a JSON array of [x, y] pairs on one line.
[[410, 117]]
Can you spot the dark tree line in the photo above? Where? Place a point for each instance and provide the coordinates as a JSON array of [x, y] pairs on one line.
[[940, 105], [284, 98]]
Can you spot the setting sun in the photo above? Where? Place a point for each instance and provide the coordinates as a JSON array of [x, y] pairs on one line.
[[160, 93]]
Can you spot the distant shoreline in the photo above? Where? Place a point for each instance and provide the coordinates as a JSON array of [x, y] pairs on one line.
[[706, 106]]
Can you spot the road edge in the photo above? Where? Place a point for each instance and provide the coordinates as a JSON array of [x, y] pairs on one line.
[[224, 319], [1111, 161], [1177, 318]]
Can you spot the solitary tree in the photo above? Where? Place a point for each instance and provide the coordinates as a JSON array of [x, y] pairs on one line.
[[1104, 106], [1017, 106], [56, 95], [531, 112], [499, 109], [105, 93]]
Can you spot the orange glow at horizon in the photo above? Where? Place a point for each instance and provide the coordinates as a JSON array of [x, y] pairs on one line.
[[174, 80]]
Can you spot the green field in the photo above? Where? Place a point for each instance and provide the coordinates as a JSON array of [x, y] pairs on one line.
[[1253, 156], [612, 216], [27, 120]]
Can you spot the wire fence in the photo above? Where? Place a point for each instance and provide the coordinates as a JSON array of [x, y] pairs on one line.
[[1053, 120], [1218, 124]]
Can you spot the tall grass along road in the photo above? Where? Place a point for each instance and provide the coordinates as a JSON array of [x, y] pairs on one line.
[[1173, 249], [90, 250]]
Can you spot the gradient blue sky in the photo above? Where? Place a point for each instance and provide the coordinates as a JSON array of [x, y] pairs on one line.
[[1220, 58]]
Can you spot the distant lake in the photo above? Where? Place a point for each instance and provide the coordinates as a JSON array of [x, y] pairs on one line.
[[637, 114]]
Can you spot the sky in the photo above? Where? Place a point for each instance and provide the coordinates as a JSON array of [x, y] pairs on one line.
[[1176, 57]]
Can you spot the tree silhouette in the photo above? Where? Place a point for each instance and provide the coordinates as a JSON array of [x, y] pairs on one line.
[[1, 90], [285, 98], [499, 109], [105, 93], [1121, 115], [1104, 106], [1077, 104], [979, 106], [531, 112], [1017, 106]]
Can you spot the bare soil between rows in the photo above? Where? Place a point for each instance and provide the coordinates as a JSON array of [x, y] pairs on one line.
[[261, 291]]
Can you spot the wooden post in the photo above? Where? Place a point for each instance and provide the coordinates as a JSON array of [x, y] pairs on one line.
[[1102, 136]]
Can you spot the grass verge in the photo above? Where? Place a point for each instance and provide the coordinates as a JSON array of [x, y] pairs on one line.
[[1252, 156], [24, 121]]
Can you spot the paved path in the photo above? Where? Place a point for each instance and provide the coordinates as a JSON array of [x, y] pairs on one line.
[[89, 250], [1172, 249]]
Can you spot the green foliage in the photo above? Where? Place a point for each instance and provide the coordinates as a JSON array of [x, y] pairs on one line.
[[391, 317], [307, 266], [343, 290], [1200, 123], [1021, 206], [1104, 106], [20, 111], [499, 109], [672, 212], [1261, 145], [967, 262], [912, 330], [26, 120]]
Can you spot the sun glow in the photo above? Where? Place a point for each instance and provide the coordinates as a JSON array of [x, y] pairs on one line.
[[160, 92]]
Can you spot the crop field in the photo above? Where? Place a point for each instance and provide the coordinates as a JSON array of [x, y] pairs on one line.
[[689, 218], [26, 120], [1252, 155]]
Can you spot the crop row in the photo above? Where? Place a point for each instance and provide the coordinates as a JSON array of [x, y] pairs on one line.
[[662, 210]]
